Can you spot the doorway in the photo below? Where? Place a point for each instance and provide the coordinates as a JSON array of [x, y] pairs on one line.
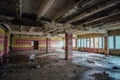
[[35, 43]]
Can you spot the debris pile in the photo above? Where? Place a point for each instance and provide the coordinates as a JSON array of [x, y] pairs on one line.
[[51, 70], [102, 76]]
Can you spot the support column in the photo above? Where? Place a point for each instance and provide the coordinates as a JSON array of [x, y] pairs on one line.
[[11, 41], [93, 42], [76, 45], [106, 44], [6, 47], [68, 46], [6, 50], [48, 47]]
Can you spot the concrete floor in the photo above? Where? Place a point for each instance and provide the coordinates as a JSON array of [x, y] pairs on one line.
[[97, 63]]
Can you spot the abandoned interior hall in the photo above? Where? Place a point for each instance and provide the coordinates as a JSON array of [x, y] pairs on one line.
[[59, 39]]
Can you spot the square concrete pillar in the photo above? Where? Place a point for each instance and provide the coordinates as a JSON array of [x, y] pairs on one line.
[[48, 45], [6, 47], [68, 46], [106, 45]]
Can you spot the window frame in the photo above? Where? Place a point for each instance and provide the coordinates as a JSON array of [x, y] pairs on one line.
[[113, 47], [115, 43]]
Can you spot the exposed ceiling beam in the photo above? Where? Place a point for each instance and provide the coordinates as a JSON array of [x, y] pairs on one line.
[[68, 6], [109, 26], [26, 33], [22, 28], [50, 31], [55, 32], [101, 18], [26, 22], [80, 17], [83, 7], [8, 27], [45, 9], [31, 29], [45, 29]]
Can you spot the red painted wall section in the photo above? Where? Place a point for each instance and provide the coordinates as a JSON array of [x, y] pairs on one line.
[[20, 43], [42, 44], [91, 50], [24, 43]]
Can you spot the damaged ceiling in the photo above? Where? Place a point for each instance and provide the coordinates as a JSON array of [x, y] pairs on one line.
[[57, 16]]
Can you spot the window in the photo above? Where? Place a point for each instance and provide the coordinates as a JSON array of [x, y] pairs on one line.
[[88, 42], [82, 42], [100, 42], [117, 42], [60, 44], [96, 42], [85, 44], [74, 43], [32, 43], [111, 42], [92, 43], [78, 43]]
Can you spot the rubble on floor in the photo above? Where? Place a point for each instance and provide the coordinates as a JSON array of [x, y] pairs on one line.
[[52, 70], [52, 66], [101, 76], [98, 63]]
